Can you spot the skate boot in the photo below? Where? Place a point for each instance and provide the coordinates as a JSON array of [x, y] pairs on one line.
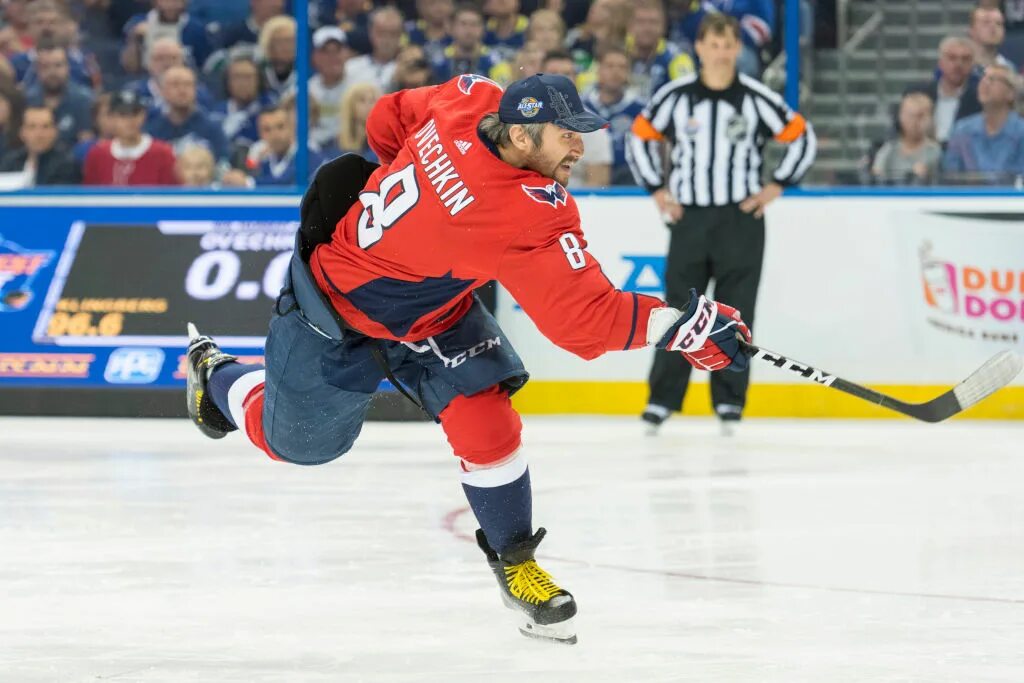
[[546, 611], [653, 417], [203, 356]]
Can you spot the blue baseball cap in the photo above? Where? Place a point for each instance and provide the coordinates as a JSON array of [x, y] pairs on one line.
[[547, 98]]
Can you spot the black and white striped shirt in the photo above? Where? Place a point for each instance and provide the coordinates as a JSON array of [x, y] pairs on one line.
[[717, 138]]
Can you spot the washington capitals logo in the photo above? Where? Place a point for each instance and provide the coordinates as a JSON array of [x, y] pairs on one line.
[[553, 194], [467, 81]]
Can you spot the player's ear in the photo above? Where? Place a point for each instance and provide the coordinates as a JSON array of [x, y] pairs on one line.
[[519, 138]]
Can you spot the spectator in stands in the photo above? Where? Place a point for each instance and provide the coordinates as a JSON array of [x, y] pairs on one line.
[[378, 67], [988, 30], [506, 28], [757, 22], [195, 167], [467, 54], [102, 128], [49, 22], [355, 109], [654, 60], [245, 99], [277, 45], [412, 69], [955, 91], [272, 160], [611, 99], [15, 36], [594, 169], [168, 18], [989, 145], [12, 105], [163, 54], [70, 102], [181, 122], [42, 159], [913, 156], [132, 157], [352, 17], [546, 30], [606, 24], [527, 62], [247, 32], [330, 52], [432, 31]]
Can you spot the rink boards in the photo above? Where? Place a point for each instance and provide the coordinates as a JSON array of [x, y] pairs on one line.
[[909, 293]]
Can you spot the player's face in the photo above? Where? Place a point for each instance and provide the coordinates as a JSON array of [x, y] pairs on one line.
[[558, 151], [718, 51]]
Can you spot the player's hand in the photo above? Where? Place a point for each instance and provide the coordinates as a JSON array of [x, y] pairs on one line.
[[757, 202], [670, 210], [708, 334]]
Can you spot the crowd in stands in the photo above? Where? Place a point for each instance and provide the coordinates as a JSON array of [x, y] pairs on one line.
[[203, 92], [965, 124]]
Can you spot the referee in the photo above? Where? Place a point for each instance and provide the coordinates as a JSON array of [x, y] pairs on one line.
[[715, 123]]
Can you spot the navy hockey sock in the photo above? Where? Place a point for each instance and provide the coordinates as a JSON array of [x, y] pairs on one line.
[[224, 377], [502, 501]]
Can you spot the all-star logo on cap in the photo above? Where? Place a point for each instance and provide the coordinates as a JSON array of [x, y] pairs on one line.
[[529, 107]]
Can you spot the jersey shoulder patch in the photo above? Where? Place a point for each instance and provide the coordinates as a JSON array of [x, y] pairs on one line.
[[467, 81], [553, 194]]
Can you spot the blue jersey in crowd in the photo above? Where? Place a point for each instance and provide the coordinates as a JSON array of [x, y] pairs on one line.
[[668, 63], [79, 65], [200, 128], [483, 64], [756, 17], [620, 117], [433, 49], [192, 35], [274, 171], [506, 48], [73, 113]]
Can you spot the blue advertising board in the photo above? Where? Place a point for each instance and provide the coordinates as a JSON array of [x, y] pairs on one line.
[[95, 292]]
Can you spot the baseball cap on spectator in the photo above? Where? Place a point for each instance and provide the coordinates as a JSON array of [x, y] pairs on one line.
[[126, 102], [327, 34], [547, 98]]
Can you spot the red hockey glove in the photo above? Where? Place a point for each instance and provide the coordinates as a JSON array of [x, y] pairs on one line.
[[707, 334]]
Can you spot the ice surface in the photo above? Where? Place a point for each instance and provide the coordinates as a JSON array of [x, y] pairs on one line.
[[796, 551]]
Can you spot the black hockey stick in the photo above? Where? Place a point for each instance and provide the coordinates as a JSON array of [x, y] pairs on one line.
[[996, 373]]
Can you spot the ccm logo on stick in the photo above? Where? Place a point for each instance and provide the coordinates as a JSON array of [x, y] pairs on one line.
[[786, 364]]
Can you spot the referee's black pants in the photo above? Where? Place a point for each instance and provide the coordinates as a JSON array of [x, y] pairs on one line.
[[726, 244]]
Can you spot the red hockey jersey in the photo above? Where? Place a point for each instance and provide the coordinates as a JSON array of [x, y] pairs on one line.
[[444, 214]]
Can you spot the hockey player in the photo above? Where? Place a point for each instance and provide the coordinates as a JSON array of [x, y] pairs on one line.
[[471, 188]]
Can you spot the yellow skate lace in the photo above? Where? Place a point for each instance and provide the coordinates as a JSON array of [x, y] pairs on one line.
[[528, 582]]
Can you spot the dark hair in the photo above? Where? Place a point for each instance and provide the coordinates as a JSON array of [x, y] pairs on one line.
[[719, 24], [614, 49], [272, 109], [558, 53], [16, 103], [50, 45], [468, 7]]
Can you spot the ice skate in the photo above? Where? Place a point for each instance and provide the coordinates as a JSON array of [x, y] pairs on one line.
[[653, 417], [203, 356], [546, 610]]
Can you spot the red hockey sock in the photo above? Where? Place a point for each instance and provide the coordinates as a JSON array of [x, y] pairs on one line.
[[253, 406]]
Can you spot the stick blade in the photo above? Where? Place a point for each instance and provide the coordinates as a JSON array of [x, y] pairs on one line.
[[996, 373]]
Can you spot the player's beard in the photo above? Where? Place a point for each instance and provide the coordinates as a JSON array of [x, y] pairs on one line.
[[541, 164]]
